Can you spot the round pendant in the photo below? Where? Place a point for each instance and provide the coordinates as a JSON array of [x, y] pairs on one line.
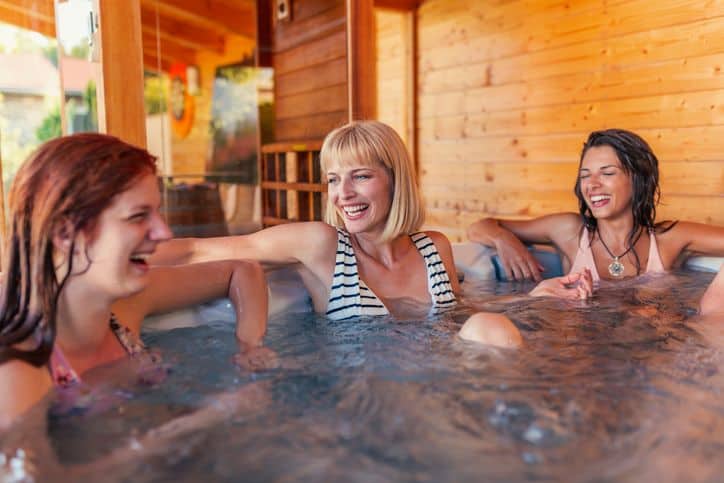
[[616, 268]]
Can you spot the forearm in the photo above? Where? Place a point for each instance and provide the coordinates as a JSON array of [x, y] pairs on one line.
[[178, 251], [486, 231], [249, 295]]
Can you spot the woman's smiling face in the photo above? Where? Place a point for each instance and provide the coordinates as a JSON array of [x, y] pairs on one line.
[[113, 258], [361, 194], [605, 185]]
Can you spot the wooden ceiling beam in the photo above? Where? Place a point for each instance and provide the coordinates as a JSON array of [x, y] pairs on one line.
[[37, 15], [168, 48], [402, 5], [152, 63], [185, 34], [237, 17]]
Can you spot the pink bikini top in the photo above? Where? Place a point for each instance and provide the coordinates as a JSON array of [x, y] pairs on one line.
[[584, 257], [63, 373]]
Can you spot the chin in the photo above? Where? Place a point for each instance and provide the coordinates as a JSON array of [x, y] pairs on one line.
[[354, 226], [136, 286]]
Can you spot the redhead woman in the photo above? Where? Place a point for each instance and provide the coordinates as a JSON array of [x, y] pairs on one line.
[[615, 234], [369, 257], [84, 215]]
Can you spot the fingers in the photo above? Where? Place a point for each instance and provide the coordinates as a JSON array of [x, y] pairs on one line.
[[535, 270], [521, 269], [585, 282], [508, 271], [518, 273]]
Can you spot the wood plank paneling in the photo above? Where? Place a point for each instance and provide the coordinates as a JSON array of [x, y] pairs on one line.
[[309, 127], [310, 63], [509, 90], [312, 78], [396, 74], [329, 99]]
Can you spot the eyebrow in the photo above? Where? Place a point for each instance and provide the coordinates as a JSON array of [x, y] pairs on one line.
[[602, 167], [363, 168], [142, 207]]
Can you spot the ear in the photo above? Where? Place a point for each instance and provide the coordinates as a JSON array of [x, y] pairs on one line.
[[63, 236]]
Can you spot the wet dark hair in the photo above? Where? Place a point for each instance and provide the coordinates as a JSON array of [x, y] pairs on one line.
[[640, 163], [62, 188]]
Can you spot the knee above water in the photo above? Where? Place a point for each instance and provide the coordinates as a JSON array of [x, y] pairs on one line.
[[491, 329]]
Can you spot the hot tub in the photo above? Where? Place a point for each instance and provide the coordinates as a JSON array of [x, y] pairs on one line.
[[624, 387]]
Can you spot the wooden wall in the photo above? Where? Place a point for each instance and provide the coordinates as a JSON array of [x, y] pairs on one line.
[[394, 76], [509, 90], [310, 70]]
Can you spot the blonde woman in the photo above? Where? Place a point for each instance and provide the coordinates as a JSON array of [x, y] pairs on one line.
[[369, 257]]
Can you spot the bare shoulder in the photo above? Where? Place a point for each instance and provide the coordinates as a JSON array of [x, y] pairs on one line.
[[314, 244], [319, 231], [24, 385], [568, 222], [439, 239], [315, 237], [565, 227]]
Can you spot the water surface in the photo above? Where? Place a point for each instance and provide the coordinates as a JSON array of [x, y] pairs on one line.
[[624, 387]]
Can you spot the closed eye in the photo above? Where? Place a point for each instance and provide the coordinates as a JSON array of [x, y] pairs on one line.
[[138, 217]]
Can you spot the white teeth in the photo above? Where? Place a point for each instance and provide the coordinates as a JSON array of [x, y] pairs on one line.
[[351, 210], [141, 257], [596, 198]]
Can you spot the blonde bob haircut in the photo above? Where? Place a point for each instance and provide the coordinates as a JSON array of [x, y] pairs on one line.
[[372, 143]]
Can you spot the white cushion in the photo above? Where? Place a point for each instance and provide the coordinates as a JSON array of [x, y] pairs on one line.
[[704, 264], [474, 260], [286, 295]]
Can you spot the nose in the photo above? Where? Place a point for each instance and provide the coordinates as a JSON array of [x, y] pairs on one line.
[[345, 188], [593, 181], [159, 230]]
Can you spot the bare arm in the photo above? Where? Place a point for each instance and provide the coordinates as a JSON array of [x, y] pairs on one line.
[[172, 288], [692, 237], [713, 300], [509, 236], [23, 386], [282, 244]]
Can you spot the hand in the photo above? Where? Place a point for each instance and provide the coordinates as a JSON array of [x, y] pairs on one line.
[[574, 286], [517, 261], [256, 358]]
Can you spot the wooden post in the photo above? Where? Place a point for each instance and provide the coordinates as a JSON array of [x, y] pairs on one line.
[[3, 222], [411, 86], [120, 91], [361, 60]]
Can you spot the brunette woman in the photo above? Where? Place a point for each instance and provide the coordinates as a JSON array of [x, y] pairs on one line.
[[615, 234]]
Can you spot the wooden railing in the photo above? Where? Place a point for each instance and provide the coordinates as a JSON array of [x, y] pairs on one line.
[[291, 182]]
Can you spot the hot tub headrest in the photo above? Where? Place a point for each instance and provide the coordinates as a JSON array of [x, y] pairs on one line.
[[477, 262]]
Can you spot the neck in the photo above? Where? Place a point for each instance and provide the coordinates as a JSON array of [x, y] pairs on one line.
[[82, 320], [615, 233], [385, 252]]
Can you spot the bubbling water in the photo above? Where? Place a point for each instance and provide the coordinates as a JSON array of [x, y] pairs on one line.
[[624, 387]]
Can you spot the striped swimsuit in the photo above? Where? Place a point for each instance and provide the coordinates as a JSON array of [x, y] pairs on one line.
[[350, 296]]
